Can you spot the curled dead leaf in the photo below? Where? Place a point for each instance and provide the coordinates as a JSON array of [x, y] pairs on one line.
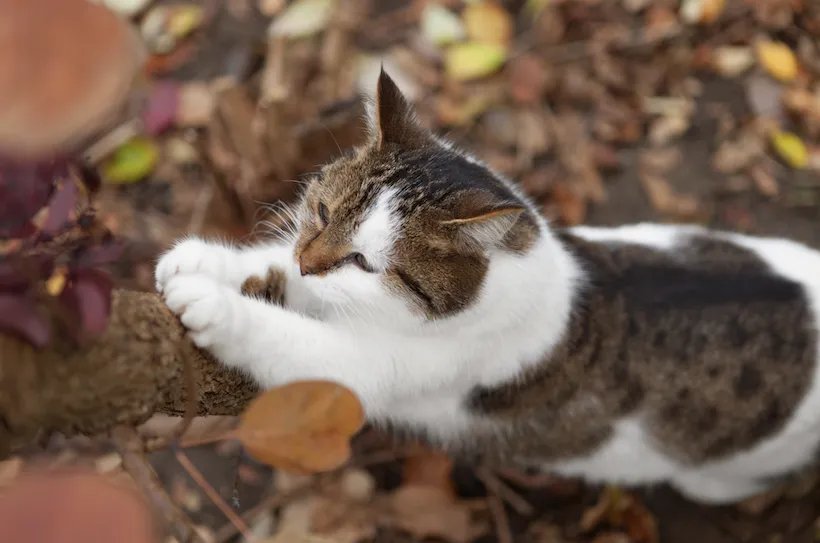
[[427, 511], [303, 427]]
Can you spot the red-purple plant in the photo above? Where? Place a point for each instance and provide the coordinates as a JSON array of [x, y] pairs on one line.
[[51, 250]]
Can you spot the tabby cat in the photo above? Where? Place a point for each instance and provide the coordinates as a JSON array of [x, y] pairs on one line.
[[434, 289]]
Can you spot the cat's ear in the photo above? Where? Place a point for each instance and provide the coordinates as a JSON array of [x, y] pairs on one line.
[[482, 221], [391, 117]]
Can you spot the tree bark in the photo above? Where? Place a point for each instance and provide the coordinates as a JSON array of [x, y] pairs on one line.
[[123, 377]]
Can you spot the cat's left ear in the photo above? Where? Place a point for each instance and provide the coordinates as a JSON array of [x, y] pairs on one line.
[[483, 222], [392, 118]]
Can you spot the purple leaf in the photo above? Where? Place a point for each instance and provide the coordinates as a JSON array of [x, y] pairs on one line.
[[19, 316], [161, 109], [108, 252], [24, 190], [88, 295], [60, 207], [18, 278]]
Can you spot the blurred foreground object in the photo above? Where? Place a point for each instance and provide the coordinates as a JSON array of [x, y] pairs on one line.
[[68, 66]]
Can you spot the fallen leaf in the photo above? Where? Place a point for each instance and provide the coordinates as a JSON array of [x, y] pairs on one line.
[[764, 180], [621, 510], [777, 59], [88, 297], [426, 511], [269, 8], [473, 60], [731, 61], [164, 26], [666, 128], [131, 162], [302, 19], [196, 103], [430, 467], [441, 26], [488, 22], [358, 485], [129, 8], [790, 148], [666, 200], [572, 207], [108, 463], [302, 427], [161, 110], [701, 11], [55, 283], [529, 78]]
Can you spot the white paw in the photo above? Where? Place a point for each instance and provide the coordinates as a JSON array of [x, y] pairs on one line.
[[205, 307], [192, 256]]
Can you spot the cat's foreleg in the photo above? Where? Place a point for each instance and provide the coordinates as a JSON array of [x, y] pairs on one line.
[[277, 346], [224, 264]]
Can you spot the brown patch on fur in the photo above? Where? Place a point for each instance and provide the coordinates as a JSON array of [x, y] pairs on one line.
[[270, 289], [712, 349]]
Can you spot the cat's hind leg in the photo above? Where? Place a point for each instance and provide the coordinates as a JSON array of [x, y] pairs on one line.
[[705, 488]]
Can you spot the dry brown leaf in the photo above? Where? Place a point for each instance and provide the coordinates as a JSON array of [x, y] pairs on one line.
[[764, 180], [702, 11], [303, 427], [430, 467], [572, 207], [196, 104], [427, 511], [666, 200], [529, 79], [488, 22], [621, 510]]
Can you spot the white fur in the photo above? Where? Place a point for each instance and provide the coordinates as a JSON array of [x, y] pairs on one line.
[[347, 327]]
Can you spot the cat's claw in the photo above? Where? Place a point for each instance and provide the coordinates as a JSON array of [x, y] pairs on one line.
[[191, 256], [203, 305]]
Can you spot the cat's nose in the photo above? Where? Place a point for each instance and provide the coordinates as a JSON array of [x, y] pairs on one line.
[[303, 269]]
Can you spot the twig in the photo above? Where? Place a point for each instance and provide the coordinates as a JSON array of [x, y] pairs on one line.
[[274, 501], [217, 500], [502, 525], [113, 139], [129, 445], [498, 488]]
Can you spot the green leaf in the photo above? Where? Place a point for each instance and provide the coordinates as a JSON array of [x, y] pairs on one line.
[[132, 162]]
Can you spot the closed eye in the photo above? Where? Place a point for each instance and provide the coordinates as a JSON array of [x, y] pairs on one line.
[[323, 214], [361, 262]]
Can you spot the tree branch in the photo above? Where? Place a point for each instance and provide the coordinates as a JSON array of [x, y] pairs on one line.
[[134, 370]]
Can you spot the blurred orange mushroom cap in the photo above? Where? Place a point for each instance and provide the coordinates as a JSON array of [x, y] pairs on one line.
[[66, 67]]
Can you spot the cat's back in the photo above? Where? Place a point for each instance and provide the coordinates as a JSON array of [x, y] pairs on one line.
[[706, 342]]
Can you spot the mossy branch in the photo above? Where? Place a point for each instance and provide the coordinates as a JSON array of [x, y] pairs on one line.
[[134, 370]]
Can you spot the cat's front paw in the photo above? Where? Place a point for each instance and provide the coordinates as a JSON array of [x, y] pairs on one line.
[[205, 307], [192, 256]]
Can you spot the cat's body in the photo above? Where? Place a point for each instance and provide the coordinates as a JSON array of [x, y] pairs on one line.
[[433, 289]]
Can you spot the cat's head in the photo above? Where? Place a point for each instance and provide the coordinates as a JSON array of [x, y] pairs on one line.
[[407, 217]]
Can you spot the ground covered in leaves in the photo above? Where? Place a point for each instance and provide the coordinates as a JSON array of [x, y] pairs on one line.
[[605, 111]]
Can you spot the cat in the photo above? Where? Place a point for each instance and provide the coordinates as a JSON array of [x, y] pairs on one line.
[[434, 289]]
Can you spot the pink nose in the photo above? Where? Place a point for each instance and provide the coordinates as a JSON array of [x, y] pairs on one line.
[[303, 269]]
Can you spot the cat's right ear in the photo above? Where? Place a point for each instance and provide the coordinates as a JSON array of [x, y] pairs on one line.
[[483, 222], [391, 118]]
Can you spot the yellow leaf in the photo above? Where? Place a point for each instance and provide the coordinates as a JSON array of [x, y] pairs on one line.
[[56, 283], [488, 22], [777, 59], [131, 162], [303, 427], [790, 148], [701, 11], [473, 60]]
